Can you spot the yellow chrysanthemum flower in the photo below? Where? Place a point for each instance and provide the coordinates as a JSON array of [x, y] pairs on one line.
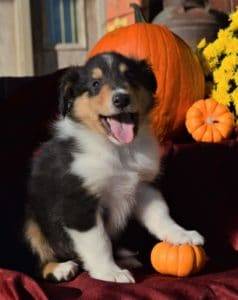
[[221, 56], [224, 34], [223, 86], [234, 16], [229, 62], [212, 63], [234, 97], [232, 46], [202, 44], [234, 21], [236, 78], [211, 52], [218, 75], [222, 98]]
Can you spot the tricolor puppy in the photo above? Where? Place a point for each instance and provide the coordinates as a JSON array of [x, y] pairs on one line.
[[95, 173]]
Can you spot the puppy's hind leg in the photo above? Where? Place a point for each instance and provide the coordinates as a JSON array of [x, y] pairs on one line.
[[49, 267], [58, 272]]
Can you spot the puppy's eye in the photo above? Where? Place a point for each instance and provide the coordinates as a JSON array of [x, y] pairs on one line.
[[96, 84]]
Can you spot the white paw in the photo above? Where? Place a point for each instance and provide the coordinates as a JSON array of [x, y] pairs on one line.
[[65, 271], [178, 235], [114, 275]]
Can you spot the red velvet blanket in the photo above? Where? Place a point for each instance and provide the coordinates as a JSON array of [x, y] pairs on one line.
[[199, 181], [152, 286]]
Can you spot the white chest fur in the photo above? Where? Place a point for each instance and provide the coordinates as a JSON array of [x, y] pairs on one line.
[[113, 172]]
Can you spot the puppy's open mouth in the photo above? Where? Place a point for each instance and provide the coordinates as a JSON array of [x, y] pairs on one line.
[[121, 127]]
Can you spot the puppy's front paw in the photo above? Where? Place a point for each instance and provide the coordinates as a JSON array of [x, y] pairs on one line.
[[178, 235], [114, 275]]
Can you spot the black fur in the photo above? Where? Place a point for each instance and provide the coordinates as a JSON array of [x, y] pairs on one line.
[[57, 197]]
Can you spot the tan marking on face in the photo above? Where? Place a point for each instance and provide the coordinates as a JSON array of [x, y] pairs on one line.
[[88, 109], [49, 269], [38, 242], [122, 67], [97, 73]]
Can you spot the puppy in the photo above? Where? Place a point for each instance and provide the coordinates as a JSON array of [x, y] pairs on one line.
[[95, 173]]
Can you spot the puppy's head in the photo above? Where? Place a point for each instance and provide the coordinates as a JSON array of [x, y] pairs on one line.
[[111, 94]]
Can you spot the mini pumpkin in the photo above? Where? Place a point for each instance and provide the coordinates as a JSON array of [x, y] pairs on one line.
[[209, 121], [179, 75], [177, 260]]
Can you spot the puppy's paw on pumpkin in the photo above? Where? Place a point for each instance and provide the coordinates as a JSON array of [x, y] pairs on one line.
[[177, 235]]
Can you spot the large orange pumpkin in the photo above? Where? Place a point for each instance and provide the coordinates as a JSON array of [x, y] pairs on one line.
[[178, 72], [209, 121], [177, 260]]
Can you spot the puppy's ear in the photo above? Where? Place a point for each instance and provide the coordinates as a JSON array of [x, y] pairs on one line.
[[69, 86], [147, 76]]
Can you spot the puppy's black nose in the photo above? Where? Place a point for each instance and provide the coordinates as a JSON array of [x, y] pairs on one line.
[[121, 100]]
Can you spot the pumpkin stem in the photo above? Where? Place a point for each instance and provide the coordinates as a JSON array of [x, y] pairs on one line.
[[139, 18]]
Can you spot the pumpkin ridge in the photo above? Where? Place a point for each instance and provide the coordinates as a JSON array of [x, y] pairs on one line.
[[221, 131], [216, 134], [203, 108], [169, 59], [193, 75], [166, 72], [161, 104], [148, 44], [177, 117], [178, 86], [171, 260], [195, 123], [213, 133], [179, 264], [204, 126], [204, 132], [196, 112], [214, 109], [166, 260], [194, 261], [178, 259]]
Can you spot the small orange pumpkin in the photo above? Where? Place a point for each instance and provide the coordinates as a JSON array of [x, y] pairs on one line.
[[177, 260], [209, 121]]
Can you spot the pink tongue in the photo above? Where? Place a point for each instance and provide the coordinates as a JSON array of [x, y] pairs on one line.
[[123, 132]]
